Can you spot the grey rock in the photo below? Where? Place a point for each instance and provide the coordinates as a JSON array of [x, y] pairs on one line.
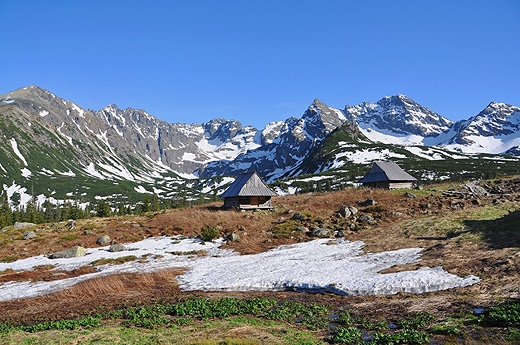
[[234, 237], [298, 216], [21, 225], [368, 202], [345, 212], [27, 235], [366, 219], [320, 232], [117, 248], [352, 210], [73, 252], [410, 195], [103, 240], [71, 224], [302, 229]]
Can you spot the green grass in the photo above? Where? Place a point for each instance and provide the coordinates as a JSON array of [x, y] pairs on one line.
[[118, 261], [263, 321], [483, 224]]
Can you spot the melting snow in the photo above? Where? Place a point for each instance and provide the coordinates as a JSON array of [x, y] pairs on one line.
[[44, 113], [14, 145], [321, 265], [26, 172]]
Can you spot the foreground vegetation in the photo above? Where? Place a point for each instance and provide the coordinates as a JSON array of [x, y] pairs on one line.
[[267, 321]]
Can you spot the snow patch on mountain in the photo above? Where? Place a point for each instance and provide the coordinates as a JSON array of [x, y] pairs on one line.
[[363, 156], [14, 145]]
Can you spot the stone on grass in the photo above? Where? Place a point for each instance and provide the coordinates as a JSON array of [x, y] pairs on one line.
[[27, 235], [103, 240], [234, 237], [298, 216], [21, 225], [316, 231]]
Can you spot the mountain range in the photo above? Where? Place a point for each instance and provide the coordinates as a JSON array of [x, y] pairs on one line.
[[53, 149]]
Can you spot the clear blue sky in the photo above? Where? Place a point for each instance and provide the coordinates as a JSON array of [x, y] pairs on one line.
[[261, 61]]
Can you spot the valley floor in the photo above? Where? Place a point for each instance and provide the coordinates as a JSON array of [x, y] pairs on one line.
[[467, 235]]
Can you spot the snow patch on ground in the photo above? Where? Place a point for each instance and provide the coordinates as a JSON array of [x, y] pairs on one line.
[[336, 266]]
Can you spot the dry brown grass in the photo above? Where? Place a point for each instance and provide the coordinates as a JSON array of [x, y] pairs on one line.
[[94, 294]]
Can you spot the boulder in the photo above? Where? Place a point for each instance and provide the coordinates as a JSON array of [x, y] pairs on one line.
[[339, 233], [21, 225], [73, 252], [320, 232], [117, 248], [367, 202], [352, 210], [27, 235], [302, 229], [298, 216], [345, 212], [410, 195], [71, 224], [234, 237], [366, 219], [103, 240]]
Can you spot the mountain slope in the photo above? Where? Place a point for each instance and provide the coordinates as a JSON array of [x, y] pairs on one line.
[[55, 150]]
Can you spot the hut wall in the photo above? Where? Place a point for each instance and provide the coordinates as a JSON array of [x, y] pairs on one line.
[[248, 202], [400, 185]]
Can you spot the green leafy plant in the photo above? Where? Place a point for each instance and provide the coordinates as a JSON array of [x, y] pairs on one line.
[[406, 336], [505, 315], [417, 320], [350, 335]]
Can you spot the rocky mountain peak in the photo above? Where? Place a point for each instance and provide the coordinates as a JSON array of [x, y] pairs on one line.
[[400, 115], [221, 129], [497, 119]]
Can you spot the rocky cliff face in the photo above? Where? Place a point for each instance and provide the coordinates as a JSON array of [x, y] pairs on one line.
[[399, 115], [283, 152]]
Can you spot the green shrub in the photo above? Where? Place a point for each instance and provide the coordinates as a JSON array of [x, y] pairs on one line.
[[209, 233]]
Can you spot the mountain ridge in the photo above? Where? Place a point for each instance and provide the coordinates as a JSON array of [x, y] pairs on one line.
[[131, 147]]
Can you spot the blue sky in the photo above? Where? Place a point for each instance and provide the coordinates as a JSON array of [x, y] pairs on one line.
[[262, 61]]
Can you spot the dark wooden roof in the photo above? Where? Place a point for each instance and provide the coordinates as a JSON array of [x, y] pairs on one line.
[[386, 171], [248, 184]]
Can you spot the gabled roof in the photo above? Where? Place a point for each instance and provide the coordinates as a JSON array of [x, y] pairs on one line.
[[248, 184], [386, 171]]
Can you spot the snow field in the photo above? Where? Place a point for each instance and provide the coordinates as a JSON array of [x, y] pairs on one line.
[[324, 265]]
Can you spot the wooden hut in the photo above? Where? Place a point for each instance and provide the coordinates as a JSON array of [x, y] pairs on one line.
[[388, 175], [248, 192]]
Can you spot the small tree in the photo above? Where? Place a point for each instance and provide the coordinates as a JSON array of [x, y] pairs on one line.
[[209, 233], [103, 209]]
